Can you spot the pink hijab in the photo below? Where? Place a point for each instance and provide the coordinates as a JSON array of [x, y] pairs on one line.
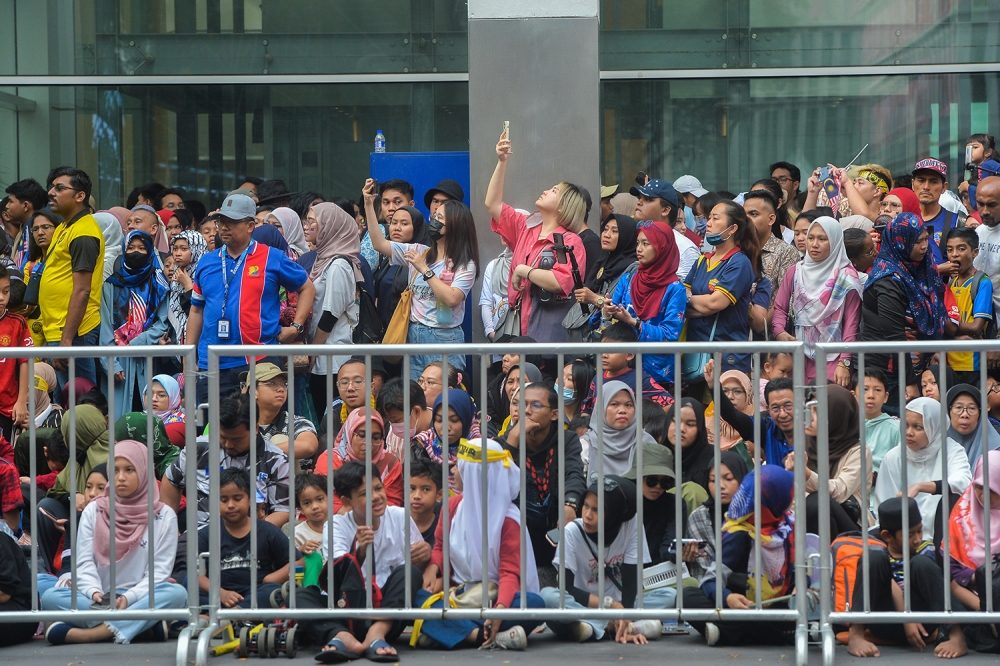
[[121, 214], [131, 517], [337, 234], [355, 420], [966, 533]]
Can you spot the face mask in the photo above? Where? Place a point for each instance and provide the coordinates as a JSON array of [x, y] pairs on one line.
[[435, 229], [716, 239], [135, 260], [397, 429], [568, 393]]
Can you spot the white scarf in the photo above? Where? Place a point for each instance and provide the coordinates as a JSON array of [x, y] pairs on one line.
[[466, 537]]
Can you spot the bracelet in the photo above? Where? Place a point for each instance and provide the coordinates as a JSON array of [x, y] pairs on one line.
[[527, 276]]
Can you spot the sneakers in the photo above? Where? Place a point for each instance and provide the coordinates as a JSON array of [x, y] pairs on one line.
[[711, 634], [56, 632], [651, 629], [582, 632], [512, 639], [159, 632]]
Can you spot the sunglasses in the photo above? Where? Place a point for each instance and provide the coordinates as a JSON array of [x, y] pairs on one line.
[[664, 482]]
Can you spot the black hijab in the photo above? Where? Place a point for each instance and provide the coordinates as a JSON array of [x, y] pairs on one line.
[[738, 468], [842, 409], [619, 506], [612, 264], [699, 457]]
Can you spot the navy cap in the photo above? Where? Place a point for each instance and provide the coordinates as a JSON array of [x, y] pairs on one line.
[[656, 189]]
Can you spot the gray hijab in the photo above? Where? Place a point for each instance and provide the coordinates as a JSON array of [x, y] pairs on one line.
[[619, 445], [973, 442]]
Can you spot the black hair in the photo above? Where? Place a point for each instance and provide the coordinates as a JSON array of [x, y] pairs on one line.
[[726, 194], [589, 203], [30, 191], [390, 397], [779, 384], [235, 476], [767, 197], [419, 469], [745, 236], [4, 275], [197, 210], [303, 201], [150, 191], [583, 373], [184, 217], [771, 357], [265, 208], [579, 422], [78, 179], [904, 181], [654, 420], [987, 141], [815, 213], [800, 200], [347, 206], [350, 477], [854, 242], [877, 375], [964, 233], [792, 170], [398, 185], [550, 392], [55, 447], [619, 332], [707, 202], [234, 412], [158, 198], [308, 480], [94, 398], [252, 179], [461, 243], [132, 200]]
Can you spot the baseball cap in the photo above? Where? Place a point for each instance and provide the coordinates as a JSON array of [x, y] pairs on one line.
[[689, 185], [237, 207], [265, 372], [931, 164], [609, 190], [656, 189]]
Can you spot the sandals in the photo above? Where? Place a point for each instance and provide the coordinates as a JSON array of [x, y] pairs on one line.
[[338, 655], [372, 655]]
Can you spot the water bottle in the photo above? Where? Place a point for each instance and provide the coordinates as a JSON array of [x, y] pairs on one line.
[[379, 142], [443, 313]]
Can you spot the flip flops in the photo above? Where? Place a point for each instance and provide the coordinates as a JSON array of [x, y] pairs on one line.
[[338, 655], [372, 655]]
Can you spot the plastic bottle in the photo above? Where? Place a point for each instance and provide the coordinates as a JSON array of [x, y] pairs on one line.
[[443, 312], [379, 142]]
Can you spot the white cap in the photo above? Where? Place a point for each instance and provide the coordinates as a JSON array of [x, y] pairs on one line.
[[689, 185]]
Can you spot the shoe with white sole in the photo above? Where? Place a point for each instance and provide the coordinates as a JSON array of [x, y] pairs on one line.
[[512, 639], [711, 634], [651, 629], [582, 632]]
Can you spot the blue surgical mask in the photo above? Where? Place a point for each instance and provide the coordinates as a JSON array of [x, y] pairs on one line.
[[567, 392], [716, 239]]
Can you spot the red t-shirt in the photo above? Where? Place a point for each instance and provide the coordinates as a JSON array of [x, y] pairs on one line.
[[13, 333]]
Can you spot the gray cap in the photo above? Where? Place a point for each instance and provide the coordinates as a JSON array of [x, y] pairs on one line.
[[238, 207]]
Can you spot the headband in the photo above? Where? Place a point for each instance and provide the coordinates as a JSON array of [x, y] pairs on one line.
[[875, 179], [471, 453], [41, 384]]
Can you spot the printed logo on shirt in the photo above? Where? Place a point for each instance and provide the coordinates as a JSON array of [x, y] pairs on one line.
[[235, 561], [4, 340], [253, 271]]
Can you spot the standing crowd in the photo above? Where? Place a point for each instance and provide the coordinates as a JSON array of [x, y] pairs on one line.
[[857, 255]]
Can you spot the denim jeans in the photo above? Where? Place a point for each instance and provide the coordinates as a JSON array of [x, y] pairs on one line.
[[85, 367], [168, 595], [419, 334], [663, 597]]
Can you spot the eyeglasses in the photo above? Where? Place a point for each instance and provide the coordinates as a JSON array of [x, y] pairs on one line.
[[357, 381], [376, 436], [994, 389], [872, 252], [41, 227], [664, 482], [782, 180], [958, 410], [788, 408], [424, 383], [63, 188], [275, 385], [734, 392], [534, 406]]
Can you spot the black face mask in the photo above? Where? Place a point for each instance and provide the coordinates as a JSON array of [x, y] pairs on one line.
[[435, 229], [135, 260]]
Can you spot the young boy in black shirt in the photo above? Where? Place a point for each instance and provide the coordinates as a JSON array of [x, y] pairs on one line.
[[425, 498]]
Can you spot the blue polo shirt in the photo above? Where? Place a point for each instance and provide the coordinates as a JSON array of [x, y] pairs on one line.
[[734, 276], [943, 219], [253, 304]]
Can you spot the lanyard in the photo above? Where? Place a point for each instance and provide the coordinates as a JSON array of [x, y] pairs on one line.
[[226, 275]]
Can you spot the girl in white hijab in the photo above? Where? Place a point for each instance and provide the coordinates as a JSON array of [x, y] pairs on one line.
[[291, 229], [924, 439], [113, 237], [618, 426]]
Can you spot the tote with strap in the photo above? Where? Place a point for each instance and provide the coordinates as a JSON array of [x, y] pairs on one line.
[[399, 325]]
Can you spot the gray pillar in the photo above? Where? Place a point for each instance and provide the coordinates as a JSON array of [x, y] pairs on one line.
[[534, 64]]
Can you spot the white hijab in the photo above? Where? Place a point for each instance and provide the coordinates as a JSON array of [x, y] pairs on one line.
[[113, 237], [619, 445], [291, 229], [466, 537]]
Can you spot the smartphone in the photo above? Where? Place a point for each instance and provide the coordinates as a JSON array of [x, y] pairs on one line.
[[684, 542], [552, 536], [641, 178], [374, 186], [506, 129], [48, 515], [968, 154]]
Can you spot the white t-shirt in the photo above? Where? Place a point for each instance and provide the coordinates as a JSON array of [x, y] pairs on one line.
[[425, 308], [689, 254], [335, 293], [305, 533], [988, 259], [389, 547], [583, 563]]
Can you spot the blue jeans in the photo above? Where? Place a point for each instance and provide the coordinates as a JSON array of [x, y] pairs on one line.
[[419, 334], [449, 633], [168, 595], [663, 597], [85, 367]]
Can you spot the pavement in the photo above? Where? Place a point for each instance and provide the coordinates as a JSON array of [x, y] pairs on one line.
[[543, 648]]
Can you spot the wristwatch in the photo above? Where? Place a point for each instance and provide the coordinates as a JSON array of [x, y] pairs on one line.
[[846, 362], [600, 302], [608, 601], [428, 274], [298, 327]]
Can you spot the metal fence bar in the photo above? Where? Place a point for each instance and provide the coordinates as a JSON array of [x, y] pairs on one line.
[[801, 583]]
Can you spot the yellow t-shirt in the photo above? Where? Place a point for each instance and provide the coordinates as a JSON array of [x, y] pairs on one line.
[[56, 288]]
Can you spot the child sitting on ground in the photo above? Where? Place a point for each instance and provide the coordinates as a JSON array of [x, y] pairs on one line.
[[313, 504], [881, 429], [425, 498]]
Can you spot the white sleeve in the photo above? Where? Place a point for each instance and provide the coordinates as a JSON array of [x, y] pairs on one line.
[[344, 531], [631, 548], [486, 295], [415, 535], [339, 295], [163, 557], [885, 484], [959, 471], [88, 580], [688, 257]]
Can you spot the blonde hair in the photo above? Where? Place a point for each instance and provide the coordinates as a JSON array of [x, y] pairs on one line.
[[572, 208]]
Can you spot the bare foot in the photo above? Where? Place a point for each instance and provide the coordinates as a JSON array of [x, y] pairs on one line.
[[954, 647], [857, 646]]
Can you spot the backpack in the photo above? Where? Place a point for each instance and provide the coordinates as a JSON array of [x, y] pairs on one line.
[[990, 332], [370, 328], [846, 552]]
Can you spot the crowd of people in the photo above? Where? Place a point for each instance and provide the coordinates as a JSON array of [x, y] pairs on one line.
[[857, 255]]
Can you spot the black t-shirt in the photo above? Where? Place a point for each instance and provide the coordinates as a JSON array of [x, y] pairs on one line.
[[428, 534], [15, 574], [272, 554]]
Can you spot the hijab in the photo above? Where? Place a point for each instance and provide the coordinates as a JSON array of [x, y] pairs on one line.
[[854, 222], [921, 282], [909, 200], [121, 214], [729, 437], [619, 506], [458, 402], [624, 204], [619, 445], [291, 226], [196, 242], [337, 235], [773, 529], [697, 458], [135, 426], [650, 282], [357, 419], [91, 449], [930, 409], [174, 413], [949, 376], [420, 233], [737, 466], [138, 291], [113, 236], [465, 538], [842, 408], [131, 517], [82, 385], [269, 235], [968, 519], [973, 442], [821, 289], [500, 276], [45, 382], [610, 265]]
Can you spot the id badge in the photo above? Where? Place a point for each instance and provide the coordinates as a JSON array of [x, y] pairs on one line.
[[223, 332]]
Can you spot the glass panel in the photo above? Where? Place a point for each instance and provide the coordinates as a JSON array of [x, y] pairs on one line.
[[150, 37], [665, 34], [727, 132], [206, 139]]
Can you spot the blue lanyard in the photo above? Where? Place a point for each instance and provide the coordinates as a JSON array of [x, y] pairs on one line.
[[226, 274]]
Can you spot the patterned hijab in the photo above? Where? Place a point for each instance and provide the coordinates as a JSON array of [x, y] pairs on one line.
[[923, 286], [199, 247], [139, 291], [337, 234], [968, 519]]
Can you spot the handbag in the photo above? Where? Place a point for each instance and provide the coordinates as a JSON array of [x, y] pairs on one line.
[[399, 325], [511, 322], [693, 365], [34, 284]]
